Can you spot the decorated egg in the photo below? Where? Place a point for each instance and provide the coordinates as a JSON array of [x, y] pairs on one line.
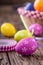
[[38, 5], [37, 29], [29, 6], [22, 34], [7, 29], [26, 46]]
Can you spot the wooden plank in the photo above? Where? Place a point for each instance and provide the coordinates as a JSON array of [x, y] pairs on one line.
[[4, 59], [35, 59], [14, 59]]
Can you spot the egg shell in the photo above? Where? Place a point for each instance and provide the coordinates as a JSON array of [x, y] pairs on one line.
[[37, 29], [29, 6], [22, 34], [7, 29], [26, 46], [38, 5]]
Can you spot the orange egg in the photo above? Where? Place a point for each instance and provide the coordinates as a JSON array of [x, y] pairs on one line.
[[38, 5]]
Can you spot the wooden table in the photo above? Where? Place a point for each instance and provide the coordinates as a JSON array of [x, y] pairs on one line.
[[13, 58]]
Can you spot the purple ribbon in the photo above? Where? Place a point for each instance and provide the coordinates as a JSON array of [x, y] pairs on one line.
[[39, 39]]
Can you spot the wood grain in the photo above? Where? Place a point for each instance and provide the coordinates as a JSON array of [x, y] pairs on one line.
[[4, 59], [35, 59]]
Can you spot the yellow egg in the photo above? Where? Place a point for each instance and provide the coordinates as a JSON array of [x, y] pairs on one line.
[[0, 29], [22, 34], [7, 29]]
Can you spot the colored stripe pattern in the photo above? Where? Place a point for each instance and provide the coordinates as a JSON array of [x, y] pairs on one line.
[[33, 14], [7, 45]]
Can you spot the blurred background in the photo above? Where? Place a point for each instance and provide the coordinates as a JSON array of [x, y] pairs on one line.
[[8, 13], [8, 2]]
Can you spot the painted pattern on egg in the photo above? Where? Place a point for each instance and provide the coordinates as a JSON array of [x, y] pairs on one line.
[[24, 49], [26, 46], [33, 47], [25, 42]]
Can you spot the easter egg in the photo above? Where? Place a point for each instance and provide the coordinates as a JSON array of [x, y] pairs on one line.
[[38, 5], [22, 34], [37, 29], [29, 6], [7, 29], [26, 46]]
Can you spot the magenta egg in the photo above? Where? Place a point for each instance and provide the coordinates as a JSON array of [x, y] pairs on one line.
[[37, 29], [26, 46]]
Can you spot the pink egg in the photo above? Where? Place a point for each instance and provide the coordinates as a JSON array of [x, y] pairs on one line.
[[37, 29], [26, 46]]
